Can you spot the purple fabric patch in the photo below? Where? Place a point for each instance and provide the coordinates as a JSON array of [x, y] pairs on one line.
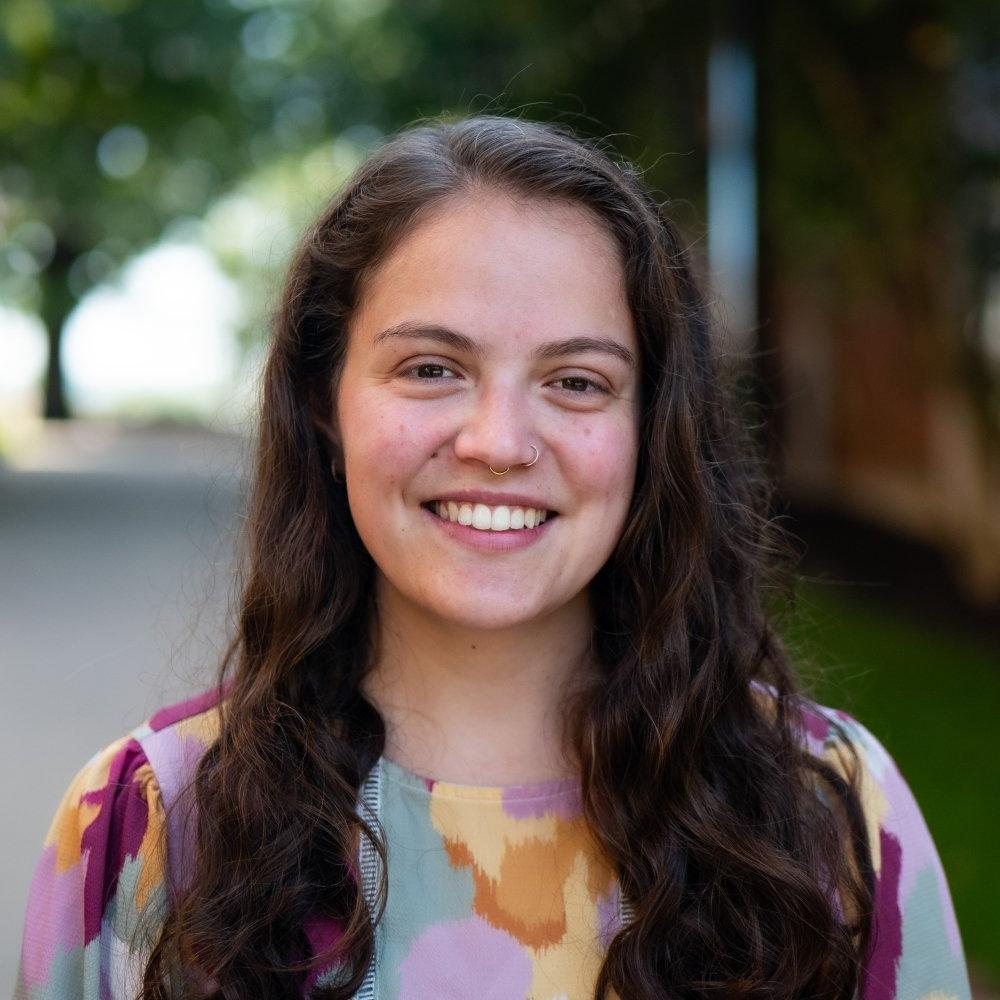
[[887, 926], [560, 796], [174, 759], [608, 915]]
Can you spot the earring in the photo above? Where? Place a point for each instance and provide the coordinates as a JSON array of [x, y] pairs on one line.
[[333, 470]]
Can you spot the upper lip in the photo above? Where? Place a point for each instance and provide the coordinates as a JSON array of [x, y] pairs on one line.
[[492, 498]]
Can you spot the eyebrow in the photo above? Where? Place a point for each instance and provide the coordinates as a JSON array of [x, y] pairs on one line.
[[544, 352]]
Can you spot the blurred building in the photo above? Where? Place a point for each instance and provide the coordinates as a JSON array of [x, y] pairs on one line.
[[864, 149]]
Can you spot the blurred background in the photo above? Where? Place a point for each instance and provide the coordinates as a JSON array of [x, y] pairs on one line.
[[834, 167]]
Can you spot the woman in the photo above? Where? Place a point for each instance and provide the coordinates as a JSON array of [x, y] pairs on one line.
[[504, 715]]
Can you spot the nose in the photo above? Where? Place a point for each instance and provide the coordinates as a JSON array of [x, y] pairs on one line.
[[497, 430]]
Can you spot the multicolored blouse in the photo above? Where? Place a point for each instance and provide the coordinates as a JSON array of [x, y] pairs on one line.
[[494, 892]]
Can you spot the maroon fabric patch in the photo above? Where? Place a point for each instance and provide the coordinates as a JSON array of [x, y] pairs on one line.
[[887, 928], [817, 725], [114, 834], [185, 709]]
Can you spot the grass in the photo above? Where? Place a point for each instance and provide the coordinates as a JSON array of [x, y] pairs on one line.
[[932, 696]]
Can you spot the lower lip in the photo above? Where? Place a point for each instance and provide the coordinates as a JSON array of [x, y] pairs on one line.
[[491, 541]]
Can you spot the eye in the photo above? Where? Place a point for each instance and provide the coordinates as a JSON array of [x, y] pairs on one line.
[[426, 371], [578, 385]]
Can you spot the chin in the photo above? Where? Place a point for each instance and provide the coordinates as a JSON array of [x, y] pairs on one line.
[[478, 618]]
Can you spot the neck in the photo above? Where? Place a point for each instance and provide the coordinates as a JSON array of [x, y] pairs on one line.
[[472, 706]]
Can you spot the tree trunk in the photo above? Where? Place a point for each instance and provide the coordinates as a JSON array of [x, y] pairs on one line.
[[57, 303]]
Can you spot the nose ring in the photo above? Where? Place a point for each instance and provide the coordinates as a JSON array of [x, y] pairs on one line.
[[525, 464]]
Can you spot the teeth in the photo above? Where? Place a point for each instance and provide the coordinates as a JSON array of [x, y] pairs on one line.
[[485, 518], [500, 520], [481, 517]]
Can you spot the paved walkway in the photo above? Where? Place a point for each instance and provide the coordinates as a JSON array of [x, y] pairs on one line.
[[115, 564]]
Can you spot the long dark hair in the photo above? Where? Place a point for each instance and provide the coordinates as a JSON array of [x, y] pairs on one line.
[[744, 855]]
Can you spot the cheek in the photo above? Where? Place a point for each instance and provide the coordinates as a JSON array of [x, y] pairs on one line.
[[382, 446], [603, 462]]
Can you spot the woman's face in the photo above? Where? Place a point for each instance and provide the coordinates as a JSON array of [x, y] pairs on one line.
[[494, 329]]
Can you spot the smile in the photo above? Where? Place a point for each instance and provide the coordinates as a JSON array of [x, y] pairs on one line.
[[485, 518]]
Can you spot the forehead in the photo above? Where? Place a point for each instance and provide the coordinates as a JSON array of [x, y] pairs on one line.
[[499, 268]]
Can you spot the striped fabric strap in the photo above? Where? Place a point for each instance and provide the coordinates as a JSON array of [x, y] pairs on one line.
[[369, 863], [370, 807]]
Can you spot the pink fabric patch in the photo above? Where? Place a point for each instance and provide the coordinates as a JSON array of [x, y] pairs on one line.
[[53, 924], [465, 958]]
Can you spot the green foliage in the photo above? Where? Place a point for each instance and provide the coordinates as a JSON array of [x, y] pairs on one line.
[[120, 118]]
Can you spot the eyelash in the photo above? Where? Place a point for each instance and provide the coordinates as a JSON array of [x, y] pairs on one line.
[[566, 378]]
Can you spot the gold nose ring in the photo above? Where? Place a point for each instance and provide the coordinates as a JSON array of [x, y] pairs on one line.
[[525, 464]]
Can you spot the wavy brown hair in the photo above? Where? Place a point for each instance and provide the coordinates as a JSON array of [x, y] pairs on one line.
[[744, 855]]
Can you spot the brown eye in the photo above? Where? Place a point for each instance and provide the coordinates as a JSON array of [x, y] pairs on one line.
[[426, 371], [578, 384]]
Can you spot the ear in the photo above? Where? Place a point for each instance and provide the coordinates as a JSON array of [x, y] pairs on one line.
[[326, 424], [327, 429]]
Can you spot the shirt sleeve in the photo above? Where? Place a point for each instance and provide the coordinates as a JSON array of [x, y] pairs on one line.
[[916, 950], [96, 902]]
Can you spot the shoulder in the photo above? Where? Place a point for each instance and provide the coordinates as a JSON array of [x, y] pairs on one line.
[[845, 743], [916, 949], [853, 751], [857, 754], [173, 741], [99, 885], [174, 737]]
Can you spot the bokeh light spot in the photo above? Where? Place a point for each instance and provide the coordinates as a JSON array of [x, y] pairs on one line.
[[122, 151]]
